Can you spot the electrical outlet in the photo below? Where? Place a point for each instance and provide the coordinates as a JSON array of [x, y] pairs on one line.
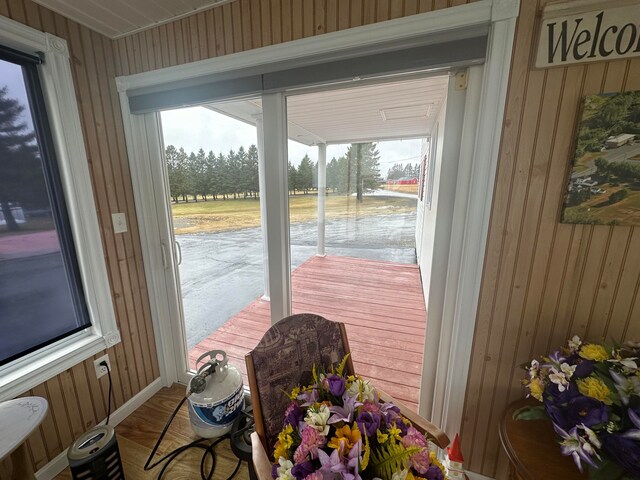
[[101, 371], [119, 222]]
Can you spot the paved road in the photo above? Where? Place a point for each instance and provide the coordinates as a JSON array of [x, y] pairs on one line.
[[619, 154], [34, 302], [221, 273]]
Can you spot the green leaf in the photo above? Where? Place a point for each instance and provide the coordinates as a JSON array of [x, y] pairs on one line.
[[389, 459], [343, 363], [530, 413]]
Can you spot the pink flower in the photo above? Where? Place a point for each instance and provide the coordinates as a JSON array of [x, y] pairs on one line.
[[311, 440], [414, 438], [419, 461], [314, 476], [369, 406]]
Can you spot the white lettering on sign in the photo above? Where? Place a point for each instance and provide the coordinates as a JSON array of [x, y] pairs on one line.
[[569, 35]]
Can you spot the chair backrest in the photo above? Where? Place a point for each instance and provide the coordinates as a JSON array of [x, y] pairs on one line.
[[284, 359]]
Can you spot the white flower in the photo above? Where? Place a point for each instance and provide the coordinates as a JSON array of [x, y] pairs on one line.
[[534, 369], [401, 475], [284, 470], [575, 343], [368, 392], [561, 378], [317, 418]]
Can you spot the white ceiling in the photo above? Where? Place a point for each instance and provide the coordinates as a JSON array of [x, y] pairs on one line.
[[385, 111], [116, 18]]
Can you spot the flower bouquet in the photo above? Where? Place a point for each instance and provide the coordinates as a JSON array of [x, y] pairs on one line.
[[591, 392], [336, 428]]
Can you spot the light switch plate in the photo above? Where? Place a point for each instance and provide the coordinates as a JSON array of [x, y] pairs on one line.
[[119, 222]]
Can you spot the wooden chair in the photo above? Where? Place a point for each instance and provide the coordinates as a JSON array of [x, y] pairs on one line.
[[284, 359]]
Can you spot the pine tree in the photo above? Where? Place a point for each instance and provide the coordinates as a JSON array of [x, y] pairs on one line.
[[19, 160]]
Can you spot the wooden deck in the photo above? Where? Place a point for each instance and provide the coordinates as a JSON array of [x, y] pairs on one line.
[[381, 304]]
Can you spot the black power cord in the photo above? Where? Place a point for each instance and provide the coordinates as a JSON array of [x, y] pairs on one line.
[[106, 365], [202, 444]]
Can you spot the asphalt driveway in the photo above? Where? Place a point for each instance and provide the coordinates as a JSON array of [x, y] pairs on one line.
[[221, 273]]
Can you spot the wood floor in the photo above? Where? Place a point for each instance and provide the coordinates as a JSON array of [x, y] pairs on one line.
[[381, 304], [137, 435]]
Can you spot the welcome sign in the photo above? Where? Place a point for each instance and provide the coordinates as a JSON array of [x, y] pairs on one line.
[[588, 31]]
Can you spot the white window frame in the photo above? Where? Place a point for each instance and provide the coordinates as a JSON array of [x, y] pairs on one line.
[[32, 369]]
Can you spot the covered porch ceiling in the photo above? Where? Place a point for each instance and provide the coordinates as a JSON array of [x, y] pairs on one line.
[[393, 110]]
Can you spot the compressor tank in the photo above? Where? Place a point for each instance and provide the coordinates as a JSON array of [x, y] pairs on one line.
[[213, 410]]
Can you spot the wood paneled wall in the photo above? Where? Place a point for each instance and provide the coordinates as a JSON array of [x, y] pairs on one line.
[[543, 280], [77, 400]]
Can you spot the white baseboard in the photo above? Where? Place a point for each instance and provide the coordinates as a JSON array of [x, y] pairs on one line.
[[477, 476], [60, 462]]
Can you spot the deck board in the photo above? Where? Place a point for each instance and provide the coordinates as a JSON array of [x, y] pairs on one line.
[[381, 304]]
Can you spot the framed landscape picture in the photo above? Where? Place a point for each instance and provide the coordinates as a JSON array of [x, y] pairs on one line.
[[604, 185]]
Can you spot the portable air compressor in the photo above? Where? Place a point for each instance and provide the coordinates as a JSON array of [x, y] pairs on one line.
[[215, 395], [95, 455]]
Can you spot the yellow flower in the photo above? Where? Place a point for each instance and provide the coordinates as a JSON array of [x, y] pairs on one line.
[[595, 388], [294, 393], [284, 443], [382, 437], [346, 437], [410, 476], [280, 451], [536, 388], [593, 351], [394, 433]]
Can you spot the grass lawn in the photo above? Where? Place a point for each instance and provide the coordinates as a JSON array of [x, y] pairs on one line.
[[413, 189], [625, 212], [224, 215]]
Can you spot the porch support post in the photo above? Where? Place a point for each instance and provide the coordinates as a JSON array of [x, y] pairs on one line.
[[276, 197], [322, 191], [263, 205]]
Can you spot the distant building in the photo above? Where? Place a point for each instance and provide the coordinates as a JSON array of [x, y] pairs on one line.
[[619, 140], [403, 181]]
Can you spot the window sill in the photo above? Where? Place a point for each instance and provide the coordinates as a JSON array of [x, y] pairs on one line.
[[32, 370]]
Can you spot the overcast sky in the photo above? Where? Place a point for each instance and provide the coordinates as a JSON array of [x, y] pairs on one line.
[[11, 76], [198, 127]]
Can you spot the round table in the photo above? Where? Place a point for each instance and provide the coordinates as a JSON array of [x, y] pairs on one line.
[[532, 448], [18, 419]]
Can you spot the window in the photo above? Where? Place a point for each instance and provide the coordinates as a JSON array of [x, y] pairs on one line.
[[41, 295], [55, 301]]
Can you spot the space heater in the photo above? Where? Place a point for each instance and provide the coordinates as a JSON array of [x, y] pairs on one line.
[[95, 455]]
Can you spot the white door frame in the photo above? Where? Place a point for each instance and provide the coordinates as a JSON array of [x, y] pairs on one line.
[[447, 365]]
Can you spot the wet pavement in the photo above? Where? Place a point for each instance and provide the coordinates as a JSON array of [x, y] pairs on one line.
[[221, 273]]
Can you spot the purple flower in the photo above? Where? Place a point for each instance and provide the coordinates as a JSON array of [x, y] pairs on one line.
[[309, 397], [274, 470], [301, 470], [344, 413], [336, 384], [570, 391], [584, 368], [434, 473], [557, 415], [587, 411], [331, 463], [391, 416], [368, 422], [293, 415], [582, 447], [624, 451]]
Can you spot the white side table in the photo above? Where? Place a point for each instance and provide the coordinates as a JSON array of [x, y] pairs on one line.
[[18, 419]]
